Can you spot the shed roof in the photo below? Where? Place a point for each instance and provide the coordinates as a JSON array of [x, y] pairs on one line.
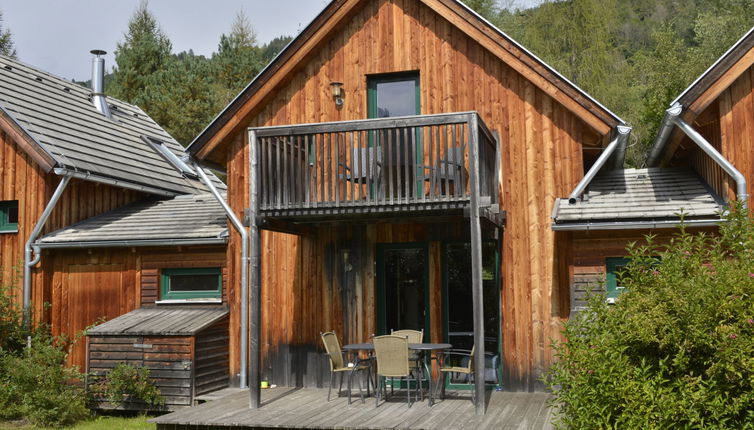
[[63, 129], [187, 219], [642, 197], [233, 117], [163, 321]]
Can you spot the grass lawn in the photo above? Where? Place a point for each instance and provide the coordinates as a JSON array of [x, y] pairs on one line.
[[97, 423]]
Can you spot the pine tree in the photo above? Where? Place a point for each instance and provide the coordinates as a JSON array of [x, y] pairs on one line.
[[238, 58], [6, 41], [145, 51]]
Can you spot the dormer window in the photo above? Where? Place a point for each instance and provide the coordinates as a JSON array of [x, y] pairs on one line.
[[177, 162]]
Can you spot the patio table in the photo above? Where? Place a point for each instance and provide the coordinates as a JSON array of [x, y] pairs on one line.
[[425, 348]]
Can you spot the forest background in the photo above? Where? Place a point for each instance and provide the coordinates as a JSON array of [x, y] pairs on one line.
[[633, 56]]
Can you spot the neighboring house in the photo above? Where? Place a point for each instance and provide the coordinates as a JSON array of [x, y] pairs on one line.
[[702, 158], [371, 223], [99, 196]]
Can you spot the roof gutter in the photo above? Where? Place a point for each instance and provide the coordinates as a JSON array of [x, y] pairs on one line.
[[30, 248], [673, 118], [114, 182], [628, 225], [131, 243], [620, 140], [238, 225]]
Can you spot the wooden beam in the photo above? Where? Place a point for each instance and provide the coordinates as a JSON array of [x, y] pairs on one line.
[[25, 142], [722, 83], [255, 290], [477, 291]]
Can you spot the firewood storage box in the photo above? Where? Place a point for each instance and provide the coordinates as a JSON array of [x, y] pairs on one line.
[[185, 350]]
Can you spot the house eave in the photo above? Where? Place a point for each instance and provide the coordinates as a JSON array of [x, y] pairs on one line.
[[633, 225], [129, 243]]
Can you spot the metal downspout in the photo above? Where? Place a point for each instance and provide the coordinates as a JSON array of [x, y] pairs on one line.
[[741, 191], [29, 248], [238, 225], [623, 133], [653, 159]]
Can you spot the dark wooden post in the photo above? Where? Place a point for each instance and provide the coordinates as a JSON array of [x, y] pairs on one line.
[[254, 276], [476, 265]]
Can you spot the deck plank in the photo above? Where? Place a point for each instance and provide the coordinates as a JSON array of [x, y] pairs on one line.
[[309, 408]]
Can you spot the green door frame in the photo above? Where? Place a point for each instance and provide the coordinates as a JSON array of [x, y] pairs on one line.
[[372, 81], [446, 305], [380, 283]]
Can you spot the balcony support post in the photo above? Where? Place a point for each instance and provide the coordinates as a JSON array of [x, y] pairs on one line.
[[476, 266], [254, 275]]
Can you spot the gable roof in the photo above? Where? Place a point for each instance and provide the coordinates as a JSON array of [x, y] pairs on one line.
[[700, 94], [640, 198], [183, 220], [234, 117], [54, 121], [719, 76]]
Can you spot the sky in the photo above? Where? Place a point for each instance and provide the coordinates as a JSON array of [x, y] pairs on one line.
[[57, 35]]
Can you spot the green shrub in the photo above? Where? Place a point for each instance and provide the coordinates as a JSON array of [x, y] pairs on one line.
[[677, 348], [34, 382], [126, 383], [36, 385]]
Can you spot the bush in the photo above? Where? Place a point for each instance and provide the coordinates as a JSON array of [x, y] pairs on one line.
[[126, 383], [677, 348], [34, 382]]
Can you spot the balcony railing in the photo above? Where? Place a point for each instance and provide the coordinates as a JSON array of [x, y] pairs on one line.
[[404, 163]]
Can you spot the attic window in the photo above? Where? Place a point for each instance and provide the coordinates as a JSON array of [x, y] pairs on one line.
[[162, 149]]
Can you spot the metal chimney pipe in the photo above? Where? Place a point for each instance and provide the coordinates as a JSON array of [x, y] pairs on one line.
[[98, 83]]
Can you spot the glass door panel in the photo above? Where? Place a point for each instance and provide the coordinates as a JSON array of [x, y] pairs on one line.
[[402, 288], [459, 324]]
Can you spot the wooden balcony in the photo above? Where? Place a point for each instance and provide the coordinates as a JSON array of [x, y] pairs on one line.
[[417, 165]]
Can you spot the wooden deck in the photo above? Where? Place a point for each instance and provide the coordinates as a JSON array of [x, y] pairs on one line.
[[308, 408]]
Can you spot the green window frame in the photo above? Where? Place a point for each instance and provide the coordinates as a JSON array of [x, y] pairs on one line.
[[374, 80], [9, 216], [613, 267], [166, 275]]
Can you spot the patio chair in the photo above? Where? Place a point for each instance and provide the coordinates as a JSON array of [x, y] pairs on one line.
[[392, 362], [446, 173], [460, 361], [414, 359], [338, 365]]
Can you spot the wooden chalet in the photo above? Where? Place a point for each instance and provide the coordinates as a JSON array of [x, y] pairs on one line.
[[700, 161], [97, 219], [399, 161]]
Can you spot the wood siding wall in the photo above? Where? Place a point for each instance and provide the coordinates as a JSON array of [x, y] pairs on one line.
[[23, 180], [587, 253], [90, 286], [542, 146], [731, 131]]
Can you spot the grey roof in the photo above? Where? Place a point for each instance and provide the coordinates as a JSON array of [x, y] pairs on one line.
[[59, 116], [175, 321], [642, 195], [179, 220]]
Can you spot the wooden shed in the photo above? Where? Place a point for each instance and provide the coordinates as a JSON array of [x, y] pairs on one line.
[[184, 348]]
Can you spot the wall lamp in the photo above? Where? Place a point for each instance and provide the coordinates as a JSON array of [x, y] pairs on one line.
[[337, 93]]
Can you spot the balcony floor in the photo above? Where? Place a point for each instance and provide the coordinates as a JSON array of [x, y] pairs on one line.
[[309, 408]]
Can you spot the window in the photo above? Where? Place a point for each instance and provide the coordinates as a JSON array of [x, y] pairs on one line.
[[191, 284], [393, 95], [177, 162], [9, 216], [614, 267]]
